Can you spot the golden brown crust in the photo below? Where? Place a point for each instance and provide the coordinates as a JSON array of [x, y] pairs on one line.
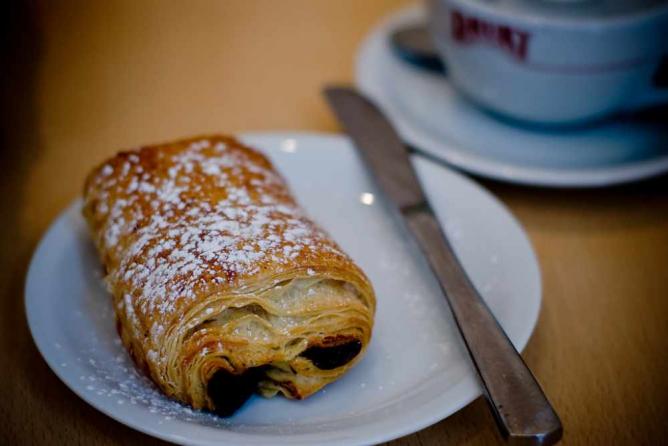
[[213, 266]]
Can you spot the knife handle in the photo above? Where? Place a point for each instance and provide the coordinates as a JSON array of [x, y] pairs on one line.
[[520, 407]]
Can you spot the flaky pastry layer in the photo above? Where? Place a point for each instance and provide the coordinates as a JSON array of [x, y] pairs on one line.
[[221, 285]]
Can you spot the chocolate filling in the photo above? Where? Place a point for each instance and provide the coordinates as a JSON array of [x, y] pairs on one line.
[[328, 358], [229, 392]]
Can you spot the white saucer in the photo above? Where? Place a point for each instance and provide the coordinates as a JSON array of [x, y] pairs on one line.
[[431, 116], [416, 371]]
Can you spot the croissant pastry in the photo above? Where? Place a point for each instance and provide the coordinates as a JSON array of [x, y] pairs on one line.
[[221, 285]]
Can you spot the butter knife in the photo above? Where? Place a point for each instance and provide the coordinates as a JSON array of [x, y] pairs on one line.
[[521, 409]]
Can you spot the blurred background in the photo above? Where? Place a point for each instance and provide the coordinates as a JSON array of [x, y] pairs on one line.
[[80, 80]]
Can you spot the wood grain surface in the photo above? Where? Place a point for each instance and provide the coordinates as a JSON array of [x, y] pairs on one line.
[[83, 79]]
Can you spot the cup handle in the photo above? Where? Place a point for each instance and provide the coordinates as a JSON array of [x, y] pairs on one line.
[[657, 92]]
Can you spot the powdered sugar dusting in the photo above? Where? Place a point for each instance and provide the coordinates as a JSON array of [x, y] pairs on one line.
[[117, 381], [181, 220]]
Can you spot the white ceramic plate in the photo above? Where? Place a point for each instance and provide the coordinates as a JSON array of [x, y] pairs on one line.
[[416, 371], [433, 117]]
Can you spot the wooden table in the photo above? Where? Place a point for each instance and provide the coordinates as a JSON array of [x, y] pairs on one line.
[[82, 79]]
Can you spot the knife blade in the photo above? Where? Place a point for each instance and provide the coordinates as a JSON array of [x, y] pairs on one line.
[[522, 411]]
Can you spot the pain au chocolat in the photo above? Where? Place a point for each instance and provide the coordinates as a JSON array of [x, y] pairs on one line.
[[221, 285]]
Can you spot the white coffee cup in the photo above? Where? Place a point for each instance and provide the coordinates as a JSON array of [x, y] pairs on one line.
[[555, 61]]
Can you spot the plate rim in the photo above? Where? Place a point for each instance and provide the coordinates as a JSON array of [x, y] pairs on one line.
[[459, 158], [467, 395]]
